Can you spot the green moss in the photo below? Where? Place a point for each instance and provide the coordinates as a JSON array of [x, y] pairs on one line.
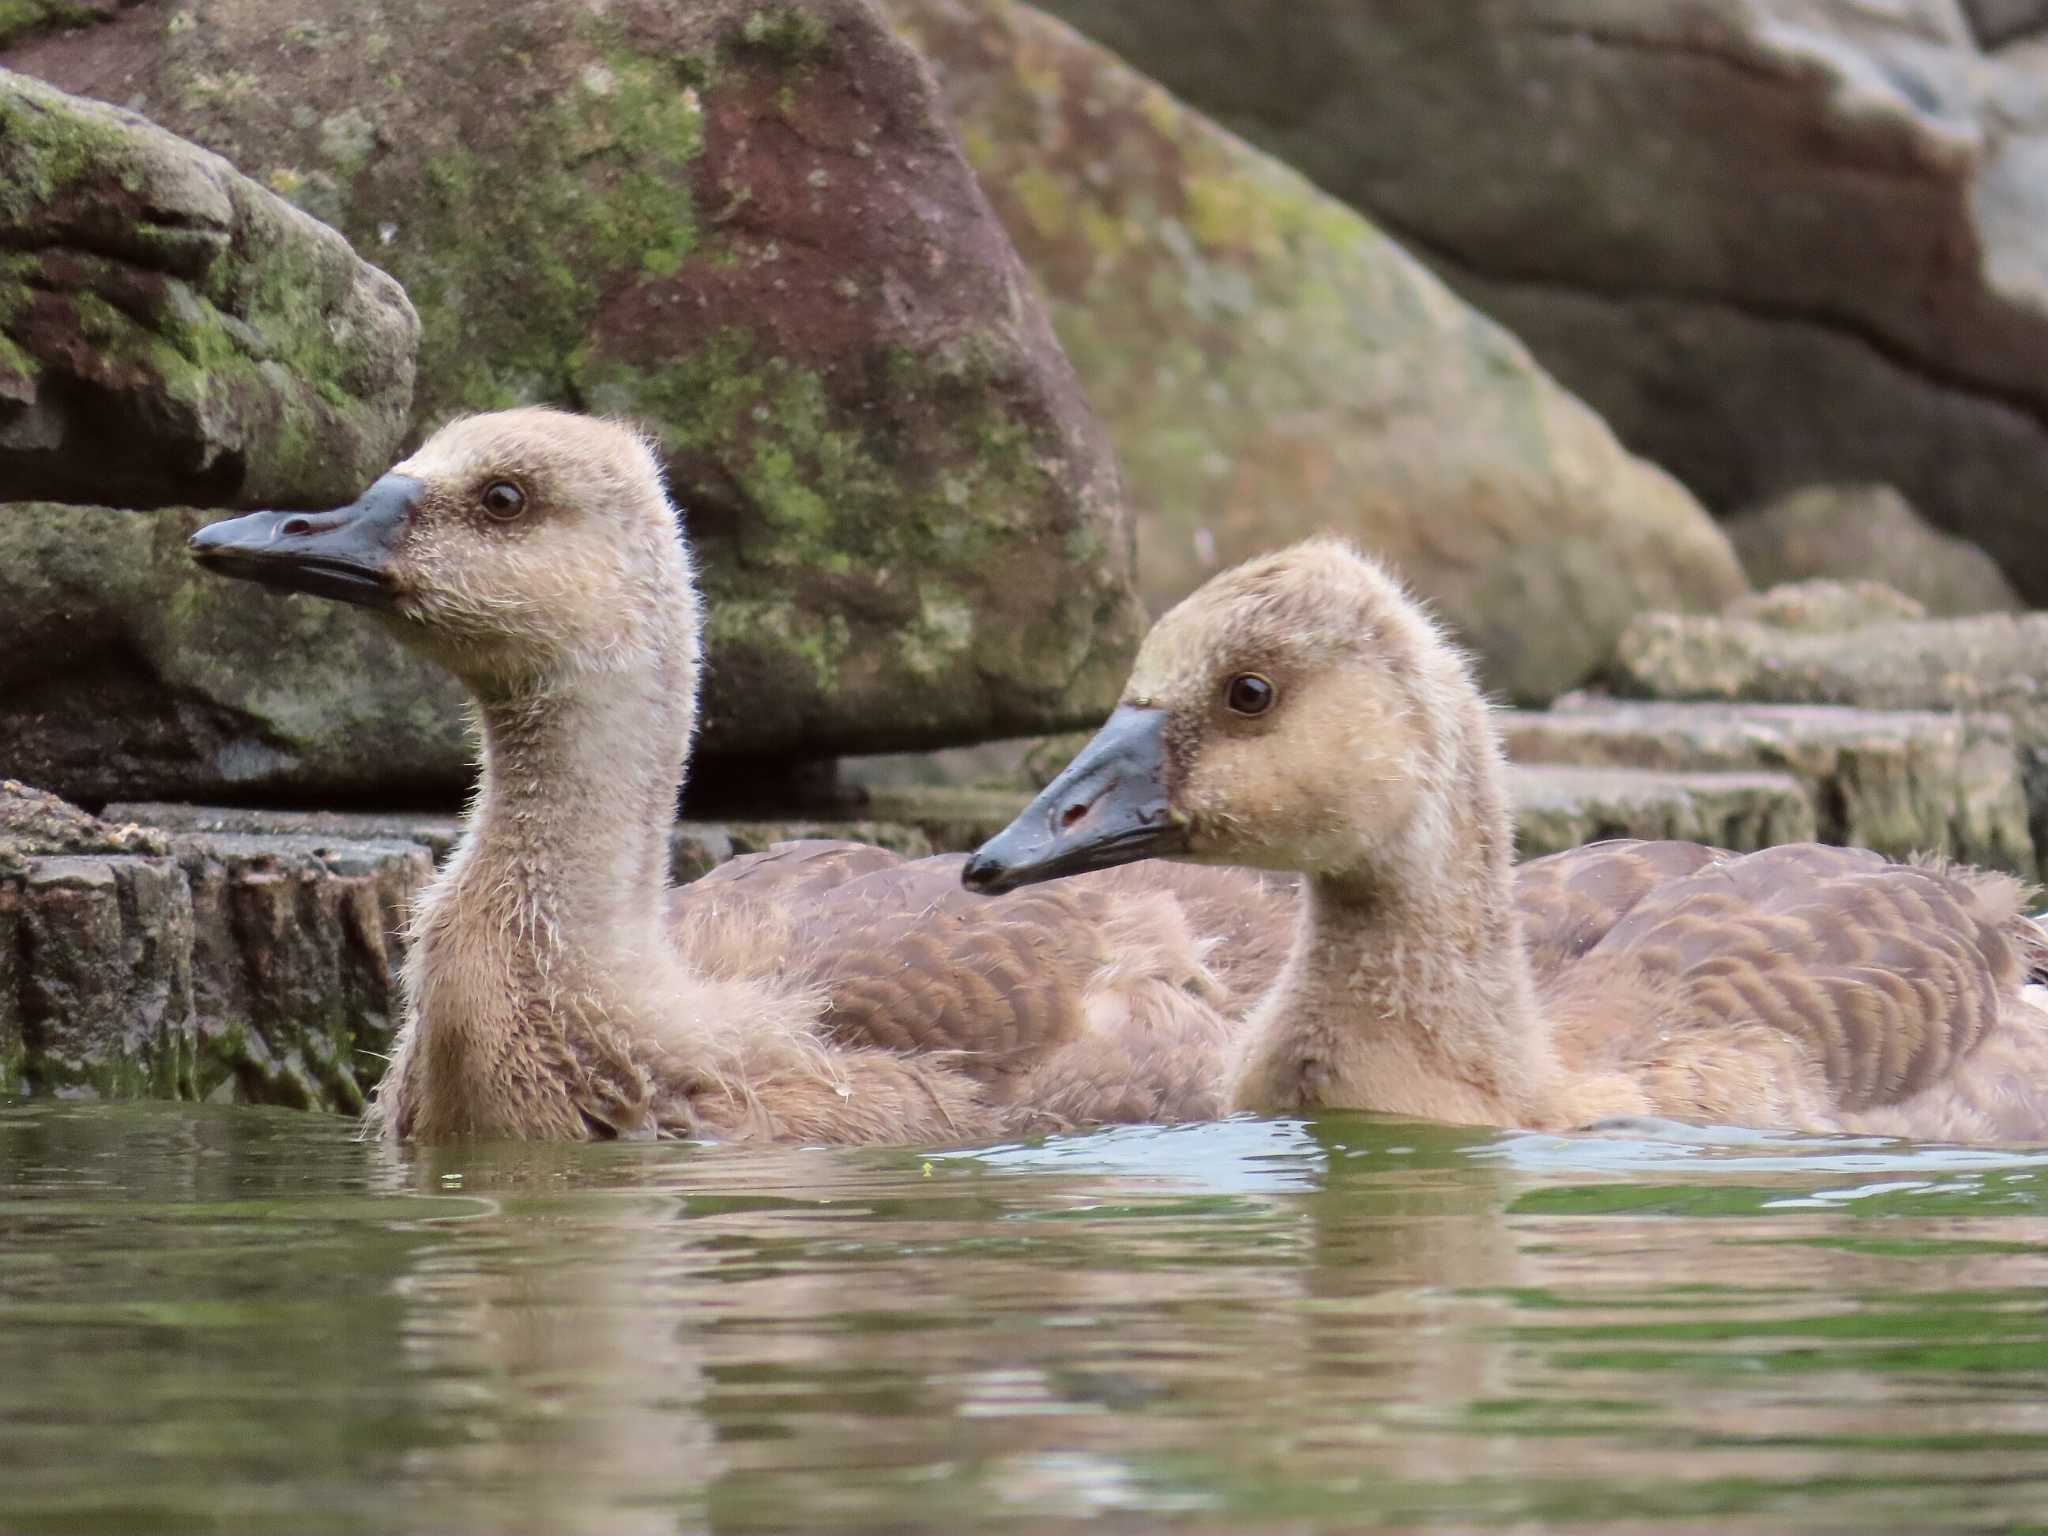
[[49, 148], [514, 245], [788, 34], [23, 18]]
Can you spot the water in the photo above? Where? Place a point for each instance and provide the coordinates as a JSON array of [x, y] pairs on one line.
[[239, 1320]]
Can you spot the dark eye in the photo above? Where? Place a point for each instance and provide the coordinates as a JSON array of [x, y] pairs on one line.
[[503, 500], [1249, 694]]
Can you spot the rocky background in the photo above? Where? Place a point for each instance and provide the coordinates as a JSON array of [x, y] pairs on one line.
[[1691, 356]]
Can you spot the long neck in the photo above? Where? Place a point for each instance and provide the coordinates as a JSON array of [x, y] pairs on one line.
[[567, 851], [1408, 990]]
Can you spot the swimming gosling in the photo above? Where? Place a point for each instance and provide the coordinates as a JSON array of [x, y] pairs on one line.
[[557, 988], [1301, 712]]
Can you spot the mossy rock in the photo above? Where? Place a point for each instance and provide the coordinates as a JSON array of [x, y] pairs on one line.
[[170, 331], [211, 687], [1270, 365], [748, 226]]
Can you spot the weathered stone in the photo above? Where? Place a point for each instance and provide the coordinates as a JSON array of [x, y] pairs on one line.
[[1269, 365], [1995, 663], [1998, 22], [1026, 763], [34, 821], [103, 976], [434, 833], [1772, 242], [1902, 782], [1868, 531], [295, 957], [13, 1045], [257, 968], [1562, 807], [126, 671], [170, 331], [20, 19], [748, 226], [1824, 605]]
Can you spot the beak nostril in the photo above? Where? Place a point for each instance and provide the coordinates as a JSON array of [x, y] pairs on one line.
[[1072, 816], [295, 527]]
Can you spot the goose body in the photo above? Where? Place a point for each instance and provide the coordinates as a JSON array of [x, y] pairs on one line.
[[557, 987], [1302, 713]]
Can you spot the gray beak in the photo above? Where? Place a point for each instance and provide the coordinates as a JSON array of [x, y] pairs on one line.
[[1108, 807], [345, 554]]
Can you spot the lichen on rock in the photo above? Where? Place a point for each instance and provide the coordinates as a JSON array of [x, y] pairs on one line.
[[1270, 365], [219, 689], [747, 226], [170, 331]]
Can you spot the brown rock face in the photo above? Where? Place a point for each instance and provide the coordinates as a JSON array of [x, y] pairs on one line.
[[1772, 242], [1269, 365], [747, 225], [170, 331]]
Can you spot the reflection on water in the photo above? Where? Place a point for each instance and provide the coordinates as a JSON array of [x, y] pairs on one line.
[[240, 1320]]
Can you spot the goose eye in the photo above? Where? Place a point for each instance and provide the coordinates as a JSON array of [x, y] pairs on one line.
[[1248, 694], [503, 500]]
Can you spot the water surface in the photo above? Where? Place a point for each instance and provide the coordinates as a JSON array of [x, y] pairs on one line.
[[244, 1320]]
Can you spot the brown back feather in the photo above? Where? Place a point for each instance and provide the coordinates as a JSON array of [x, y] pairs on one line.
[[908, 960], [1886, 975]]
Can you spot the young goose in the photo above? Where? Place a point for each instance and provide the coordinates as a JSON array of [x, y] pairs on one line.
[[557, 988], [1301, 712]]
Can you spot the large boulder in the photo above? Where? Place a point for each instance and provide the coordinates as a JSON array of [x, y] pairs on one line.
[[748, 225], [1773, 242], [1998, 22], [1270, 365], [125, 671], [169, 331], [1871, 533]]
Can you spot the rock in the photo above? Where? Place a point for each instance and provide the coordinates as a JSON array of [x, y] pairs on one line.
[[296, 948], [1990, 663], [1902, 782], [748, 225], [1868, 531], [210, 686], [1660, 197], [1998, 22], [98, 976], [1026, 763], [20, 19], [1270, 365], [1563, 807], [1823, 605], [259, 968], [434, 833], [169, 331], [34, 821]]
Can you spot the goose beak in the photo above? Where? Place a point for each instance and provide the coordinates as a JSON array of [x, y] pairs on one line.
[[1109, 806], [346, 554]]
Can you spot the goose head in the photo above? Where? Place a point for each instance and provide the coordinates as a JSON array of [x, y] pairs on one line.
[[1298, 712], [521, 548]]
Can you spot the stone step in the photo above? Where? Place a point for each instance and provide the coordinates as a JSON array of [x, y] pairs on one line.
[[205, 961], [1559, 807], [1900, 781]]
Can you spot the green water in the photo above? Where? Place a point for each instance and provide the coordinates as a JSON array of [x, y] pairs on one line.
[[238, 1320]]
